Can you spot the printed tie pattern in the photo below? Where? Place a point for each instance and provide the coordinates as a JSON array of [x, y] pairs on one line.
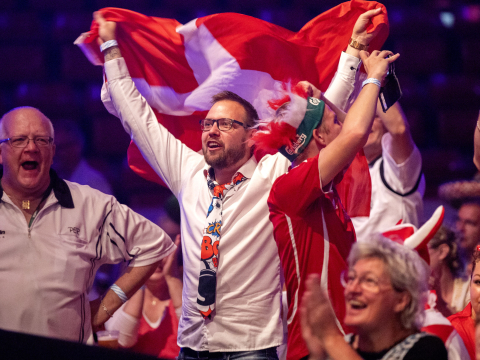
[[207, 282]]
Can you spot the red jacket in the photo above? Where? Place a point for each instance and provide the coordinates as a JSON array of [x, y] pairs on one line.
[[465, 326]]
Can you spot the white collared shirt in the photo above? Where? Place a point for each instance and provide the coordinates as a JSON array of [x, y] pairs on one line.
[[248, 294]]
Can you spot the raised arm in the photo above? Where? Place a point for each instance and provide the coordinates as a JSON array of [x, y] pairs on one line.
[[167, 156], [106, 32], [358, 122], [397, 125], [340, 90]]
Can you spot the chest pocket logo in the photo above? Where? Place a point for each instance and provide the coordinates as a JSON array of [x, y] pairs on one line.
[[74, 230]]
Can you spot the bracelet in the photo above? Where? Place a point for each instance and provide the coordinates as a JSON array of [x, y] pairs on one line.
[[356, 45], [372, 81], [106, 310], [108, 44], [116, 289]]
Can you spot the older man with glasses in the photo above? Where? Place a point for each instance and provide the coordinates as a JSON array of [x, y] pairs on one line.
[[55, 234]]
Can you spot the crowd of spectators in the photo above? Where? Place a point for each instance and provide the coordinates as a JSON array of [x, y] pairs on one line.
[[388, 287]]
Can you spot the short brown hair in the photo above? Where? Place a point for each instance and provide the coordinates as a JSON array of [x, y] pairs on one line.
[[251, 114], [453, 260]]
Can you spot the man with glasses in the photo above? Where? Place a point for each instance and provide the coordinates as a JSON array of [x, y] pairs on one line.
[[232, 287], [55, 234]]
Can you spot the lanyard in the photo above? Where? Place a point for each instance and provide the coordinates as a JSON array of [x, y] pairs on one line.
[[40, 204]]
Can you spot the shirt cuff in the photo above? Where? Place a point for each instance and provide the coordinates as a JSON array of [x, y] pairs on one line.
[[349, 65], [116, 69]]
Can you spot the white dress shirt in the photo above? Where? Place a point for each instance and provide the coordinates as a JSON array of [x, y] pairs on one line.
[[248, 294]]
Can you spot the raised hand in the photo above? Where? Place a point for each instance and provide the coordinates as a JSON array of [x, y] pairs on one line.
[[360, 29], [376, 63], [106, 30]]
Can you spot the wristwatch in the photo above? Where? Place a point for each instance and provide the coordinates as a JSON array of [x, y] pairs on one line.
[[356, 45]]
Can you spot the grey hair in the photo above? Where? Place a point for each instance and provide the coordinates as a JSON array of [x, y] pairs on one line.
[[2, 122], [407, 272]]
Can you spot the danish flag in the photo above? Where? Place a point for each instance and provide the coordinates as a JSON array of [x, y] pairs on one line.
[[178, 68]]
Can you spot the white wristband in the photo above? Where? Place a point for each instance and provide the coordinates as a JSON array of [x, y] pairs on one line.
[[372, 81], [116, 289], [108, 44]]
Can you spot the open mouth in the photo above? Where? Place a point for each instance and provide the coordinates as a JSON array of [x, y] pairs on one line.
[[213, 145], [30, 165], [357, 305]]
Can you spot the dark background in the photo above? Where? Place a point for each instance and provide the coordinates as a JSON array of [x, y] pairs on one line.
[[439, 72]]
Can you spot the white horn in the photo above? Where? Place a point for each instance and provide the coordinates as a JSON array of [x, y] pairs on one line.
[[427, 231]]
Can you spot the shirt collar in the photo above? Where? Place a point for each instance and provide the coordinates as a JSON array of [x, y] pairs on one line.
[[374, 161], [60, 189], [246, 169]]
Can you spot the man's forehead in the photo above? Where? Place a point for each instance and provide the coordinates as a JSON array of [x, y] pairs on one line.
[[226, 109], [24, 119], [470, 209]]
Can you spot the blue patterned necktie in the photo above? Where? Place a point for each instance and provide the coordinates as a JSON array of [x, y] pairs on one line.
[[207, 282]]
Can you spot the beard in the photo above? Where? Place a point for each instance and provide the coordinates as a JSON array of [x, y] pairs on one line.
[[226, 158]]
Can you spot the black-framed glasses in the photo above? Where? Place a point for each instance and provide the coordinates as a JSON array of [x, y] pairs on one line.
[[223, 124], [22, 141]]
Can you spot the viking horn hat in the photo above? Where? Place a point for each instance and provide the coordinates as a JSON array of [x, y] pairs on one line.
[[408, 235]]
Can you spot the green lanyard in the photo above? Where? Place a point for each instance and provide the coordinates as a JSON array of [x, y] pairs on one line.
[[34, 215]]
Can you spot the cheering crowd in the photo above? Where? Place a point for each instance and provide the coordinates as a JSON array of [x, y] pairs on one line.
[[316, 248]]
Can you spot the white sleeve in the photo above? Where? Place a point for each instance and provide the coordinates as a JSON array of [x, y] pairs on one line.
[[456, 347], [127, 325], [340, 90], [168, 157], [400, 177], [128, 236]]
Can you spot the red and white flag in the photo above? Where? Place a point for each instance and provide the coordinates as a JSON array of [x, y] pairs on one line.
[[178, 68]]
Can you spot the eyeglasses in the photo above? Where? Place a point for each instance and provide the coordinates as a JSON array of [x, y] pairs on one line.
[[224, 124], [22, 141], [367, 282]]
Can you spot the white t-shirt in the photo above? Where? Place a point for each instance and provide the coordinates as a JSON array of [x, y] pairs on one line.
[[396, 196]]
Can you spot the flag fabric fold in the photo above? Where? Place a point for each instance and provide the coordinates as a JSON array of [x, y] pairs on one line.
[[178, 68]]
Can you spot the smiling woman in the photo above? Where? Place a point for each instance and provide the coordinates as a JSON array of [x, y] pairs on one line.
[[385, 290], [464, 321]]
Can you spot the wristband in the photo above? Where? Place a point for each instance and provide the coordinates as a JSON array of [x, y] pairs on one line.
[[116, 289], [108, 44], [372, 81]]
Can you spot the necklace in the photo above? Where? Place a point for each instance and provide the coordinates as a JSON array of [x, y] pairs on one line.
[[26, 204]]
